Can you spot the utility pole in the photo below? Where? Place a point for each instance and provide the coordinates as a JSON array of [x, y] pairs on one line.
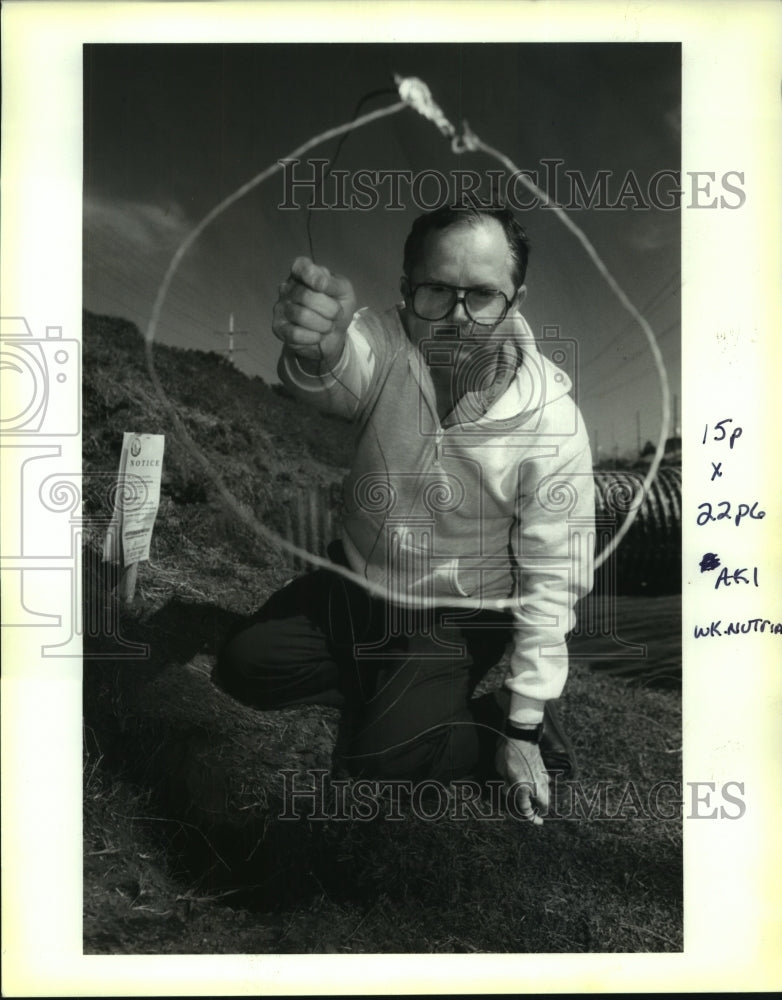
[[230, 333], [638, 431]]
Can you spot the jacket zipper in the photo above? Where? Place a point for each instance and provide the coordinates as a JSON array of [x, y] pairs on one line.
[[429, 395], [438, 446]]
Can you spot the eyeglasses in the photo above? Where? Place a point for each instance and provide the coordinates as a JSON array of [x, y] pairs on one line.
[[484, 306]]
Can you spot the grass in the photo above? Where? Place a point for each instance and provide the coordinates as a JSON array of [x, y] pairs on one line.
[[184, 850], [185, 853]]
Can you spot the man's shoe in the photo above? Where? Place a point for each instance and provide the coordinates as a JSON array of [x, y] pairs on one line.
[[555, 748]]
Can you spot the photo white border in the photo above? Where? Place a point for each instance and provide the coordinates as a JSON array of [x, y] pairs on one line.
[[731, 314]]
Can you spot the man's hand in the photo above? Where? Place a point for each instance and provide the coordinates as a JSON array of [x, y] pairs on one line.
[[313, 312], [520, 764]]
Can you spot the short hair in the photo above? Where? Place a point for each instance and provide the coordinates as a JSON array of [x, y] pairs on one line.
[[468, 214]]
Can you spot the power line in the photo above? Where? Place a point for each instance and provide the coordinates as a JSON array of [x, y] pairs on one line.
[[626, 361], [650, 305]]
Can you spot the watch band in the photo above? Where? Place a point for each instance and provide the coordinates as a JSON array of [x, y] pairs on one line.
[[515, 732]]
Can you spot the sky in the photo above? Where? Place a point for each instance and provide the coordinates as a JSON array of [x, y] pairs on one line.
[[172, 130]]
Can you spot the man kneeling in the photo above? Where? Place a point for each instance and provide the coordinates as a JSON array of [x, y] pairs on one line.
[[468, 510]]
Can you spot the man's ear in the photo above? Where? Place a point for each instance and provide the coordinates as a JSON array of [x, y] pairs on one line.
[[521, 294], [404, 287]]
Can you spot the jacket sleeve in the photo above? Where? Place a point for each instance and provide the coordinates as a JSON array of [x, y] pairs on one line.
[[553, 551], [342, 389]]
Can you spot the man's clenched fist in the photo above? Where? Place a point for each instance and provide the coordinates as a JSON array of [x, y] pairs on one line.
[[520, 764], [312, 313]]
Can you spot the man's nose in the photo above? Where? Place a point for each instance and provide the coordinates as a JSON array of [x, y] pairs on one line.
[[458, 313]]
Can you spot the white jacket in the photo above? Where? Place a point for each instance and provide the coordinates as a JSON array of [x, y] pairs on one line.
[[496, 503]]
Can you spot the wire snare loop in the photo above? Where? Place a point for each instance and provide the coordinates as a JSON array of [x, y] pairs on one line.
[[416, 95]]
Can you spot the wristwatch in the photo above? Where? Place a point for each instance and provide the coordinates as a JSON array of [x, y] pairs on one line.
[[530, 735]]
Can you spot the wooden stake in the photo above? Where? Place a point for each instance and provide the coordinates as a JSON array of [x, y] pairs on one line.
[[127, 583]]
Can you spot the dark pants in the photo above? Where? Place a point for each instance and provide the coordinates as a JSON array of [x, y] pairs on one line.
[[404, 677]]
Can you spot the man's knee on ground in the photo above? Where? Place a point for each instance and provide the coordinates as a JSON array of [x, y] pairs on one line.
[[374, 756], [234, 667], [375, 765]]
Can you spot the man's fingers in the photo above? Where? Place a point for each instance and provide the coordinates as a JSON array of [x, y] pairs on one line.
[[296, 291], [527, 779], [305, 318], [338, 286], [542, 793], [312, 311], [312, 275], [302, 268], [540, 788], [296, 336], [320, 279], [527, 807]]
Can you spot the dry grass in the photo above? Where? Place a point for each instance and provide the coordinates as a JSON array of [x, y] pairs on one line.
[[183, 829]]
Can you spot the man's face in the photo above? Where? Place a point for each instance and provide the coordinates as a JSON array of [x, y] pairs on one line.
[[465, 256]]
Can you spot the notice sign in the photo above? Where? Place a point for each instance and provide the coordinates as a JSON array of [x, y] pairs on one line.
[[137, 498]]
